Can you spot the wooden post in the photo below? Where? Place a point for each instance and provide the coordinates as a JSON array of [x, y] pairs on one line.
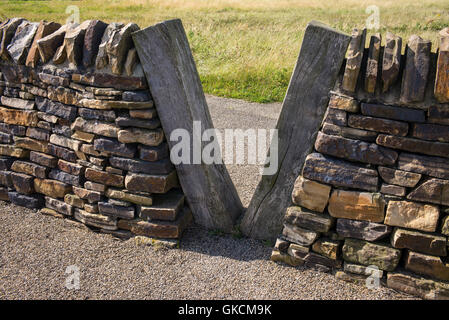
[[174, 83], [320, 59]]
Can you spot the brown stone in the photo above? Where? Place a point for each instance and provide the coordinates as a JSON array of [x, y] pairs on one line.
[[336, 116], [399, 177], [350, 133], [299, 235], [394, 113], [9, 150], [109, 80], [44, 29], [146, 137], [343, 102], [432, 132], [23, 183], [21, 42], [104, 177], [378, 124], [143, 113], [92, 40], [327, 248], [414, 145], [151, 183], [83, 136], [393, 190], [416, 71], [418, 286], [354, 60], [391, 62], [339, 173], [31, 144], [427, 265], [102, 57], [412, 215], [52, 188], [372, 64], [433, 191], [131, 61], [96, 127], [19, 117], [70, 167], [74, 200], [7, 31], [357, 205], [113, 104], [310, 194], [165, 207], [419, 242], [95, 220], [48, 45], [73, 42], [441, 89], [278, 256], [362, 230], [59, 206], [29, 168], [354, 150], [90, 195], [304, 218], [118, 46]]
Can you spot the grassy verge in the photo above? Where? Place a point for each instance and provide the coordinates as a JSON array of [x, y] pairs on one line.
[[247, 49]]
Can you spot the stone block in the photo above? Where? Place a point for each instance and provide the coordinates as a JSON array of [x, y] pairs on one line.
[[412, 215], [310, 194]]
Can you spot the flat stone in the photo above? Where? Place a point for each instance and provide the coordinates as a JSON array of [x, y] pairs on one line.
[[19, 117], [362, 230], [327, 248], [339, 173], [414, 145], [63, 95], [91, 208], [102, 115], [116, 211], [13, 129], [283, 245], [159, 229], [96, 127], [394, 113], [419, 242], [53, 80], [363, 270], [65, 142], [138, 123], [146, 200], [416, 70], [89, 195], [418, 286], [63, 153], [297, 251], [56, 108], [21, 42], [74, 201], [6, 162], [412, 215], [65, 177], [165, 207], [118, 46], [378, 124], [278, 256], [299, 235], [433, 132], [343, 102], [95, 220], [438, 114], [9, 150], [109, 80], [94, 186], [5, 138], [23, 183], [139, 166], [151, 183], [52, 188], [399, 177], [59, 206], [391, 61], [433, 191], [354, 60], [304, 218], [114, 104], [48, 45], [350, 133], [372, 64], [354, 150], [427, 265], [321, 263], [4, 194], [83, 136], [70, 167], [29, 168], [310, 194], [44, 29], [28, 201], [367, 253], [5, 179], [104, 177], [351, 277], [153, 153], [357, 205], [114, 147], [139, 96], [38, 134], [7, 32], [393, 190]]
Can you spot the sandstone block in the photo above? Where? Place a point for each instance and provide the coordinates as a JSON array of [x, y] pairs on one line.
[[51, 188], [306, 219], [141, 113], [92, 41], [65, 177], [310, 194], [102, 115], [124, 195], [95, 220], [146, 137], [419, 242], [17, 103], [414, 145], [378, 124], [299, 235], [74, 201], [343, 102], [350, 133], [114, 147], [354, 60], [412, 215], [433, 191], [105, 178], [394, 113], [433, 132], [59, 206], [165, 207], [90, 195], [139, 166], [399, 177], [19, 117], [116, 211], [438, 114], [327, 248], [29, 168], [372, 64], [391, 61], [56, 108], [38, 134], [31, 144], [9, 150], [29, 201], [393, 190], [336, 116], [151, 183], [63, 153], [44, 29], [96, 127], [427, 265], [48, 45], [153, 153], [362, 230], [278, 256], [418, 286]]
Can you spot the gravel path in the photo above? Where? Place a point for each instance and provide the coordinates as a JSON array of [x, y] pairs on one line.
[[35, 251]]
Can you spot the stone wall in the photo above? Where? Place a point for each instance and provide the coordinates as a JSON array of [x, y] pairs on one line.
[[80, 137], [375, 191]]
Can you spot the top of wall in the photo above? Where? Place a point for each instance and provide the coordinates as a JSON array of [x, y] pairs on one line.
[[92, 53]]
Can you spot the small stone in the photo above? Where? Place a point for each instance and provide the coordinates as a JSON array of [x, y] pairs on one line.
[[363, 270], [427, 265], [23, 183], [138, 123], [59, 206], [133, 197], [327, 248], [52, 188], [63, 153], [38, 134], [372, 64], [29, 201], [19, 117], [297, 251], [282, 245], [65, 177], [29, 168], [105, 178], [335, 116], [44, 29], [310, 194], [83, 136], [151, 183], [65, 142], [393, 190], [343, 102], [5, 179], [89, 195], [394, 113], [139, 166], [116, 211], [418, 286], [398, 177], [91, 208], [96, 127], [351, 277], [94, 186], [70, 167], [366, 253], [114, 104], [131, 61], [318, 261], [12, 129], [299, 235], [114, 147], [362, 230], [153, 153], [7, 32], [350, 133], [51, 212], [310, 220], [17, 103], [412, 215], [354, 60], [441, 89], [433, 191], [377, 124], [357, 205], [139, 96], [31, 144], [414, 145], [102, 115], [74, 201], [438, 114], [391, 61], [431, 132], [9, 150], [420, 242], [165, 207], [56, 108], [95, 220], [278, 256], [6, 162], [339, 173], [109, 80]]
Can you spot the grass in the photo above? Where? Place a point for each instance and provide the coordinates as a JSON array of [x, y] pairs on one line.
[[247, 49]]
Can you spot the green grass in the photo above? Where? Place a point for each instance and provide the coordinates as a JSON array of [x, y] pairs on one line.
[[247, 49]]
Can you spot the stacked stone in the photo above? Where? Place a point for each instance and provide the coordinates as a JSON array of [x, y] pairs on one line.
[[375, 191], [79, 134]]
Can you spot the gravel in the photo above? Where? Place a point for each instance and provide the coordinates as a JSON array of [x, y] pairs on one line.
[[36, 250]]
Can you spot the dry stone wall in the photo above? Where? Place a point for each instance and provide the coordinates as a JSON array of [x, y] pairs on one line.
[[79, 134], [375, 190]]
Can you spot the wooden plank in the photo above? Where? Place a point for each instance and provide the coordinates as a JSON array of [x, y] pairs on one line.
[[320, 59], [175, 85]]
